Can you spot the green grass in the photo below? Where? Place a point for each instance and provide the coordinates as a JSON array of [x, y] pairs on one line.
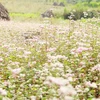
[[24, 16], [25, 6], [29, 9]]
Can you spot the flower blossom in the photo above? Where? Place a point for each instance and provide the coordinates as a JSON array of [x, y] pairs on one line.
[[51, 49], [68, 98], [33, 98], [16, 71], [67, 90], [58, 81], [80, 50], [96, 68], [89, 84], [1, 59], [27, 52], [3, 92], [96, 99]]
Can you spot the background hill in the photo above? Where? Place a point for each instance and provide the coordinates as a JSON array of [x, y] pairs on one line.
[[32, 9]]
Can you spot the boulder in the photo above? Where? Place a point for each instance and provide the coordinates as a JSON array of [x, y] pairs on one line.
[[61, 4], [55, 4], [4, 15], [48, 14]]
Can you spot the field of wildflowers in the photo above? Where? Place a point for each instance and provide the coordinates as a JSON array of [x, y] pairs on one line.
[[50, 62]]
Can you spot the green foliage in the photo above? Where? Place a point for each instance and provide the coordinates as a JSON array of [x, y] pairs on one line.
[[94, 4], [80, 13], [81, 10]]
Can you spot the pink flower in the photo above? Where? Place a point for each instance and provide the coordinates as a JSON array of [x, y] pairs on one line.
[[16, 71], [51, 49], [3, 92], [6, 83], [89, 84], [80, 50], [96, 68]]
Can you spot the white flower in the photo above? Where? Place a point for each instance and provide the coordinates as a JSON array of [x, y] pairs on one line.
[[22, 75], [67, 90], [96, 99], [96, 68], [3, 92], [6, 83], [61, 57], [58, 80], [47, 83], [93, 85], [16, 71], [27, 52], [54, 98], [86, 89], [33, 97], [5, 98], [70, 79], [68, 98], [1, 59], [51, 49], [89, 84], [57, 64]]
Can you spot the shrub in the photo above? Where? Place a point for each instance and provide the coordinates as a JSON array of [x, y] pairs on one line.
[[93, 4], [80, 13]]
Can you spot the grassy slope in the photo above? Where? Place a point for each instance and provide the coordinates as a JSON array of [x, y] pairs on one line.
[[25, 6], [31, 9], [26, 9]]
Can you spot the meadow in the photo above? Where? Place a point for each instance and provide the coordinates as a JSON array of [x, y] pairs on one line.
[[44, 60], [31, 10]]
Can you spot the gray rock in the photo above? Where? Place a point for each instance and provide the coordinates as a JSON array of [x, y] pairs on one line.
[[48, 14], [55, 4], [4, 15], [62, 4]]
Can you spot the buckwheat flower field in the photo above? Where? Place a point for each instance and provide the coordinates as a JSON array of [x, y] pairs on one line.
[[50, 62]]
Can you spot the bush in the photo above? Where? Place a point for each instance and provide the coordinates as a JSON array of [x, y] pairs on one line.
[[91, 4], [80, 13], [94, 4], [74, 14]]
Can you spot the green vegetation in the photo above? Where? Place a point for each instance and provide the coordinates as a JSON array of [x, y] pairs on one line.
[[32, 9]]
